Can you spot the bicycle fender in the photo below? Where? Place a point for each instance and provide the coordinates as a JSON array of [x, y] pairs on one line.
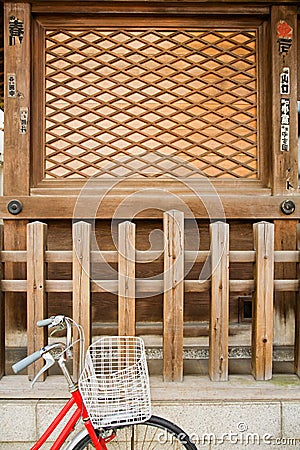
[[76, 439]]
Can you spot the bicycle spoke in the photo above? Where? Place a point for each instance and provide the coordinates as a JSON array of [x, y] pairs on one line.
[[155, 434]]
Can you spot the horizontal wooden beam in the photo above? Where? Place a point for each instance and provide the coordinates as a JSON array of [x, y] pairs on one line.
[[227, 206], [148, 286], [106, 256], [147, 7]]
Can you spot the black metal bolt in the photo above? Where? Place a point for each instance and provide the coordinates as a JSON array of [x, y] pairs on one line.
[[14, 207], [288, 207]]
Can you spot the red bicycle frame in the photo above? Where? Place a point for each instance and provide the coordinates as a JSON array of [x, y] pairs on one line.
[[76, 399]]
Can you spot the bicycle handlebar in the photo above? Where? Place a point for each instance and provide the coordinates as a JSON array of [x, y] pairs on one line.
[[20, 365], [58, 323], [44, 322]]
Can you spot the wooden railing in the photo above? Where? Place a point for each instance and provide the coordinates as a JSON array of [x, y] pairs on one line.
[[172, 284]]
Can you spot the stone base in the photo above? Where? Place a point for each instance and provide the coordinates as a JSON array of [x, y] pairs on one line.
[[239, 414]]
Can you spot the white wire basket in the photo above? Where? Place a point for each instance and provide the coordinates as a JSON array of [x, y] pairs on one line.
[[115, 383]]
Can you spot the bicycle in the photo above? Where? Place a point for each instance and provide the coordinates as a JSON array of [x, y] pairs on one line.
[[112, 396]]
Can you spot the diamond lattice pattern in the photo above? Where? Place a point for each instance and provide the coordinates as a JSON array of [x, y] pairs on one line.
[[148, 103]]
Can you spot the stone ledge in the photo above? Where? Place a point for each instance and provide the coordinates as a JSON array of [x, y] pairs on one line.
[[193, 388]]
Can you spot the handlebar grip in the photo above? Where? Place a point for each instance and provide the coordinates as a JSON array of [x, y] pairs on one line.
[[44, 322], [20, 365]]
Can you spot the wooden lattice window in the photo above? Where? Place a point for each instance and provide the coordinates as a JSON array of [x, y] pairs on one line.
[[151, 103]]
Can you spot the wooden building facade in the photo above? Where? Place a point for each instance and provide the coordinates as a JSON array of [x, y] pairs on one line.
[[118, 111]]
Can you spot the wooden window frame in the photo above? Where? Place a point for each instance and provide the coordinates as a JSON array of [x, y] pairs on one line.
[[50, 21]]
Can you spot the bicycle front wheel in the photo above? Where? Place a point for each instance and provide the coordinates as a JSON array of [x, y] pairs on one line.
[[156, 433]]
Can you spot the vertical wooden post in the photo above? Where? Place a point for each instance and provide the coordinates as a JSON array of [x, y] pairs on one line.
[[2, 315], [36, 294], [262, 322], [17, 159], [285, 163], [81, 284], [284, 302], [126, 273], [15, 238], [17, 64], [297, 315], [173, 295], [219, 312]]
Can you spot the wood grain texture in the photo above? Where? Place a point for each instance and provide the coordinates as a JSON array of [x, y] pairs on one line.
[[150, 7], [126, 279], [284, 302], [111, 256], [2, 315], [81, 284], [262, 321], [173, 295], [15, 312], [284, 163], [219, 311], [149, 286], [16, 172], [249, 206], [298, 55], [36, 292], [18, 62], [297, 315]]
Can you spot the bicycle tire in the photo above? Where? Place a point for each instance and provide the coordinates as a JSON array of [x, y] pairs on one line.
[[152, 434]]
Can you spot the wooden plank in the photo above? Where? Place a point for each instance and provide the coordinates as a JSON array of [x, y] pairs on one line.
[[286, 286], [17, 62], [298, 54], [284, 302], [126, 279], [13, 256], [62, 207], [196, 285], [219, 310], [9, 286], [81, 285], [262, 321], [297, 315], [61, 256], [36, 292], [148, 286], [181, 9], [15, 312], [173, 295], [59, 286], [38, 112], [285, 163], [111, 256], [241, 256], [285, 256], [17, 159], [263, 92], [2, 315]]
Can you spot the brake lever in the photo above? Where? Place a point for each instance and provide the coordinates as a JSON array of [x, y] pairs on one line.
[[59, 327], [69, 338], [49, 363], [58, 322]]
